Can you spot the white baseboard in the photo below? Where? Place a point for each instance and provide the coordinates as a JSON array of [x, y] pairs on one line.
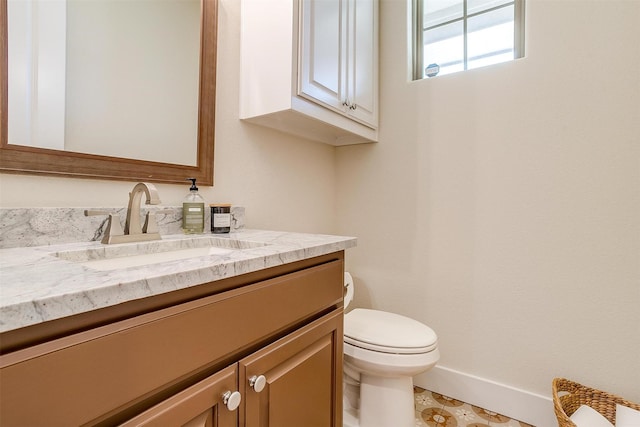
[[519, 404]]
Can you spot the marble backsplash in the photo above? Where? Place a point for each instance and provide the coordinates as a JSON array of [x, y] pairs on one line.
[[24, 227]]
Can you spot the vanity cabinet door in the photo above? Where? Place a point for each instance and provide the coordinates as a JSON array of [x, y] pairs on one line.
[[201, 405], [302, 378]]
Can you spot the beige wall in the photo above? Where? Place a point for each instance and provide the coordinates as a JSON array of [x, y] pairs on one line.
[[284, 182], [501, 206]]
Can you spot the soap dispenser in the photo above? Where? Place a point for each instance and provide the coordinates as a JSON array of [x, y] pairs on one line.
[[193, 211]]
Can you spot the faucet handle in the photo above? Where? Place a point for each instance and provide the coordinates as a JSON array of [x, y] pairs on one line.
[[114, 228], [151, 220], [150, 223]]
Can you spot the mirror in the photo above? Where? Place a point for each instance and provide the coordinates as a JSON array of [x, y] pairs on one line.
[[84, 139]]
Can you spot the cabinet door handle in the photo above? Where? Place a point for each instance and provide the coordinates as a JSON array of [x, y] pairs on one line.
[[346, 103], [231, 400], [257, 383], [352, 106]]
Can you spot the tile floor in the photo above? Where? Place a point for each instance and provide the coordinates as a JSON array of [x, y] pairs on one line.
[[436, 410]]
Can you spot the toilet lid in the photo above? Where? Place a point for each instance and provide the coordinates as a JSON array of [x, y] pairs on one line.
[[387, 332]]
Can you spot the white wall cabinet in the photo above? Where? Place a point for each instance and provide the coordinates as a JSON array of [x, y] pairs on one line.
[[310, 68], [338, 58]]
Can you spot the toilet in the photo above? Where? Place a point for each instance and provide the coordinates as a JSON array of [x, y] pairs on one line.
[[382, 353]]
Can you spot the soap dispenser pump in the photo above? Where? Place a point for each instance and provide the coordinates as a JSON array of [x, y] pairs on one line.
[[193, 210]]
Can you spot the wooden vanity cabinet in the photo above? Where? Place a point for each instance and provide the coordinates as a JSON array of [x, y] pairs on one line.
[[173, 366]]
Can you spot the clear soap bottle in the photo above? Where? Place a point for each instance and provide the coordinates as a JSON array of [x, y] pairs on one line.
[[193, 211]]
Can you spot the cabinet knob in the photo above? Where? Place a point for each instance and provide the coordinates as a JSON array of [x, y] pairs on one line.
[[346, 104], [257, 383], [231, 400], [352, 106]]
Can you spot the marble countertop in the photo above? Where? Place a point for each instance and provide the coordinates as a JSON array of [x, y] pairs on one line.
[[37, 284]]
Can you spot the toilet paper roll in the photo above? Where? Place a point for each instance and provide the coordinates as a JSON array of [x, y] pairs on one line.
[[348, 284]]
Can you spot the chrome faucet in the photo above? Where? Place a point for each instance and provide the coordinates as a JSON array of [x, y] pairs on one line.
[[133, 232]]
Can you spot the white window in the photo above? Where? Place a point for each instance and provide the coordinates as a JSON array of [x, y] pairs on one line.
[[458, 35]]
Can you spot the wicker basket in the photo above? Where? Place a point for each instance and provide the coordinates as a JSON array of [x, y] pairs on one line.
[[566, 404]]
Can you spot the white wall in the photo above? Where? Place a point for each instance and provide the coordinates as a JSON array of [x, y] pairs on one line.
[[501, 205], [284, 182]]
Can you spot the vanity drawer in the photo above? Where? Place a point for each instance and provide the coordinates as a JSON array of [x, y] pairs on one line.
[[89, 376]]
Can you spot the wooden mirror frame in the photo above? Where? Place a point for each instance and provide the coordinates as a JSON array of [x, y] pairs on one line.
[[32, 160]]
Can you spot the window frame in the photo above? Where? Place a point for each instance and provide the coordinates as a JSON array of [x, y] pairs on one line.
[[418, 30]]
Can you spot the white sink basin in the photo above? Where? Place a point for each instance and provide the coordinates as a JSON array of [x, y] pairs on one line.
[[126, 255]]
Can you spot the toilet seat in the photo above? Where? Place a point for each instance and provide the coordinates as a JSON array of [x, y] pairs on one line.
[[385, 332], [390, 350]]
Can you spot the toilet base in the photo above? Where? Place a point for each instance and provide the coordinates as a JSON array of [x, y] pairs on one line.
[[350, 401], [350, 418], [384, 402]]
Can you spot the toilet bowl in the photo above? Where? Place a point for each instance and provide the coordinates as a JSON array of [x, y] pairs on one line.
[[382, 353]]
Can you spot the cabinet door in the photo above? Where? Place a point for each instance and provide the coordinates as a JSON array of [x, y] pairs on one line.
[[362, 64], [323, 47], [201, 405], [303, 373], [339, 56]]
